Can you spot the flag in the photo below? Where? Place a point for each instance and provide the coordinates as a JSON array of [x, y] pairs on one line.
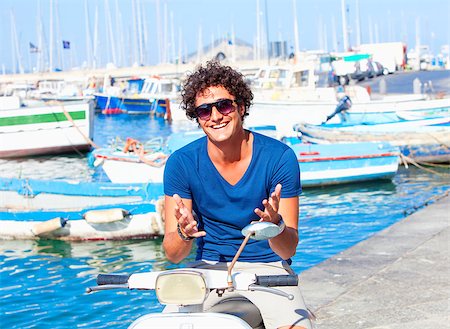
[[33, 48], [66, 44]]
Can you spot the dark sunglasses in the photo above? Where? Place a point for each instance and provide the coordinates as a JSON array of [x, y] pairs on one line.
[[224, 106]]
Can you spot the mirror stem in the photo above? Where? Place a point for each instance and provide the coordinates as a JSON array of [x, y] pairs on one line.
[[230, 268]]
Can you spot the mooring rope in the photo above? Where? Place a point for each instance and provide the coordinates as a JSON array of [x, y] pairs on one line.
[[68, 116], [405, 159]]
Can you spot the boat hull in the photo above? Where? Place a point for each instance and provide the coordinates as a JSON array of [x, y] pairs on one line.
[[139, 226], [46, 129], [419, 143], [131, 105], [32, 209], [345, 163], [319, 164]]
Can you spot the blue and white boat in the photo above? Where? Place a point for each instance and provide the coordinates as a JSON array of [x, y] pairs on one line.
[[319, 164], [150, 97], [421, 140], [331, 164], [31, 209]]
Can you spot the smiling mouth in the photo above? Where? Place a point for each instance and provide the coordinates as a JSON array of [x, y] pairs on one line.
[[219, 126]]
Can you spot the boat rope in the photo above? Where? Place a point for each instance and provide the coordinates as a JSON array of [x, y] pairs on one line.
[[405, 159], [67, 115]]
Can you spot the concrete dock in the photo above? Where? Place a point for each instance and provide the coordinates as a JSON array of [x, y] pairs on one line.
[[397, 279]]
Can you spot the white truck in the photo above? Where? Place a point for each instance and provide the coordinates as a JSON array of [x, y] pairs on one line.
[[392, 55], [347, 66]]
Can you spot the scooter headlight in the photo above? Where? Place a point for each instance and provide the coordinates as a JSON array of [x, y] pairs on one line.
[[181, 287]]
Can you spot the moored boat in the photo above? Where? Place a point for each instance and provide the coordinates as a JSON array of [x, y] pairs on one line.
[[426, 140], [319, 164], [31, 209], [331, 164], [45, 127], [152, 97]]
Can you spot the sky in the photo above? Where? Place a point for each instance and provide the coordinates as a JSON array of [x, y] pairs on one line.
[[107, 31]]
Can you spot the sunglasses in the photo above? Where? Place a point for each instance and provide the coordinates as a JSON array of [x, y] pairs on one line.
[[224, 106]]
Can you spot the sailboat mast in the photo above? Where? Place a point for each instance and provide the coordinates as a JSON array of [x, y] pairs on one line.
[[258, 32], [58, 36], [15, 49], [358, 24], [110, 32], [88, 35], [344, 25], [296, 40], [139, 30], [50, 46], [95, 41], [172, 39]]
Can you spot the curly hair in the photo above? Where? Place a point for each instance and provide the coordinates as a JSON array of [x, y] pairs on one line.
[[212, 75]]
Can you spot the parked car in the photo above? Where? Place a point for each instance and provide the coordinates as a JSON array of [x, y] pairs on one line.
[[380, 69]]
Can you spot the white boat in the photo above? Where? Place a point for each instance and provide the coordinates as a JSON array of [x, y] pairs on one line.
[[69, 210], [285, 95], [283, 116], [319, 164], [423, 140], [45, 127]]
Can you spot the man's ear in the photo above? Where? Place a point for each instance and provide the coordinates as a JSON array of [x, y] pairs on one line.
[[241, 110]]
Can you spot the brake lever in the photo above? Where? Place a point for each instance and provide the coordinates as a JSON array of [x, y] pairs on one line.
[[254, 287], [106, 287]]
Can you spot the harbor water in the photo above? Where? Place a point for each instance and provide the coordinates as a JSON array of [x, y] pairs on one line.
[[43, 282]]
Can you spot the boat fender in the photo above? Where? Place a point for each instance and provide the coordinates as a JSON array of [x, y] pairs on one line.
[[48, 226], [154, 219], [105, 216]]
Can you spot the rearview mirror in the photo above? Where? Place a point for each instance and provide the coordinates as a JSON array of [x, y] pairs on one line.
[[261, 230]]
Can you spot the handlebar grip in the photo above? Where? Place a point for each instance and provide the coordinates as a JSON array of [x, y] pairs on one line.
[[103, 279], [276, 280]]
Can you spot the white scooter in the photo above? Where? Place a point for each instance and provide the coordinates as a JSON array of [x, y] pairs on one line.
[[188, 288]]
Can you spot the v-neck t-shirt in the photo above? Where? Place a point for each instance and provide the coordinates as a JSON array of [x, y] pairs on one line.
[[223, 210]]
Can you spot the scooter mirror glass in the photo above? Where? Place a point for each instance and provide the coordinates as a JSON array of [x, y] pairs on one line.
[[261, 230]]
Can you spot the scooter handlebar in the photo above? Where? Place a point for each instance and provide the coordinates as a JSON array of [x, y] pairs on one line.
[[276, 280], [104, 279]]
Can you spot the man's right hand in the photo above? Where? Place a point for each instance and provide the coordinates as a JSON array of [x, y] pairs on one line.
[[188, 225]]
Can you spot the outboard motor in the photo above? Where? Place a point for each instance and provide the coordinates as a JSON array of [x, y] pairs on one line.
[[344, 104]]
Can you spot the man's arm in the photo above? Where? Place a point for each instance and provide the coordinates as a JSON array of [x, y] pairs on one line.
[[275, 208], [178, 212], [285, 244]]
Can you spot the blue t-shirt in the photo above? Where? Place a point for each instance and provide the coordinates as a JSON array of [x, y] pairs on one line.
[[224, 209]]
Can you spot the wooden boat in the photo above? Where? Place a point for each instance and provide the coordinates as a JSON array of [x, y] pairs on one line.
[[425, 140], [31, 209], [330, 164], [319, 164], [44, 128]]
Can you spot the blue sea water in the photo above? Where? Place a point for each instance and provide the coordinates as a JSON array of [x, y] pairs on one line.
[[43, 282]]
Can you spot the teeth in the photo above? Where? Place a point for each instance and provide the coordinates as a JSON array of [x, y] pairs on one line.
[[219, 126]]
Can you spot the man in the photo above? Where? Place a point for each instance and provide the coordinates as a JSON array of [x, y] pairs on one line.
[[220, 183]]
